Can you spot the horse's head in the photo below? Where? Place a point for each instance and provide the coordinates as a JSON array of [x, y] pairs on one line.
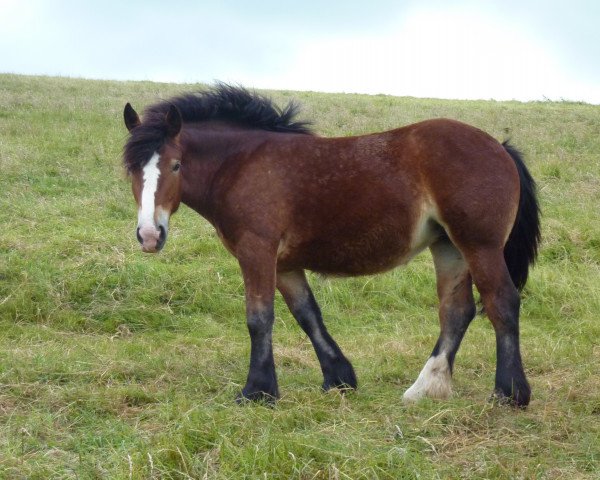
[[153, 159]]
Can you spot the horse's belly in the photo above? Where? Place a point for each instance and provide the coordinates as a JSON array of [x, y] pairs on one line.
[[345, 260], [358, 254]]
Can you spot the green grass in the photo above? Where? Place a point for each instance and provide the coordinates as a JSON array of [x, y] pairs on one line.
[[115, 364]]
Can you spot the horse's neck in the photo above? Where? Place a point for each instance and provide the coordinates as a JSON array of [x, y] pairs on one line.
[[198, 174], [205, 150]]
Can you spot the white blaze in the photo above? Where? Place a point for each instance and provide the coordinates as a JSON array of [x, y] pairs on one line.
[[151, 174]]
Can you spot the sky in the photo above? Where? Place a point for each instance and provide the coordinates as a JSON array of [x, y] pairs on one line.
[[464, 49]]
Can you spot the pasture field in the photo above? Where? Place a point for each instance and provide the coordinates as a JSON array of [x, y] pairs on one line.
[[120, 365]]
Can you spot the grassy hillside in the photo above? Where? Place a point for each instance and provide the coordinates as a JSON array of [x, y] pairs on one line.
[[115, 364]]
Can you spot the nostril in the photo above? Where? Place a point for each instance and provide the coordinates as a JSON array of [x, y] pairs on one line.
[[139, 237], [163, 234]]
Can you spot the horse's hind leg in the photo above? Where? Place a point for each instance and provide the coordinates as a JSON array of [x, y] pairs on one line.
[[337, 370], [457, 309], [501, 302]]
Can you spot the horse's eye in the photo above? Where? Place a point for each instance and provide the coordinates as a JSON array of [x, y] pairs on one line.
[[176, 166]]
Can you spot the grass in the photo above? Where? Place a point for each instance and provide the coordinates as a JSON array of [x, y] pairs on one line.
[[115, 364]]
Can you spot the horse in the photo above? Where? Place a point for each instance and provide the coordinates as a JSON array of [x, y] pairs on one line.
[[284, 200]]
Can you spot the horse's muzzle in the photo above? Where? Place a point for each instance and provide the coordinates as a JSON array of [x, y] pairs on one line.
[[151, 239]]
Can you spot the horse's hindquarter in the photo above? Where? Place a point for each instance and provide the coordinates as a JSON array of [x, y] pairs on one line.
[[470, 178]]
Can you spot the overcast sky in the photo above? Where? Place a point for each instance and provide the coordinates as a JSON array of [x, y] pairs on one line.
[[500, 49]]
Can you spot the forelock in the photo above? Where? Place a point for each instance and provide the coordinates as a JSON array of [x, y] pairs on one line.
[[143, 142]]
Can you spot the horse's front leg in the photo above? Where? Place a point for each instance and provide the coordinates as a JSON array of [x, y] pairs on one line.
[[257, 262], [337, 370]]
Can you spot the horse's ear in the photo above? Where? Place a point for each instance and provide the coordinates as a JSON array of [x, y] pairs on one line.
[[173, 120], [131, 117]]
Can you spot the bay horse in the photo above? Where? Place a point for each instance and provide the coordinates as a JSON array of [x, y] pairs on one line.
[[283, 199]]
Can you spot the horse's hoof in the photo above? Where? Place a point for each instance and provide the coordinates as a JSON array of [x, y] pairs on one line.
[[244, 398], [517, 399], [343, 387], [341, 376]]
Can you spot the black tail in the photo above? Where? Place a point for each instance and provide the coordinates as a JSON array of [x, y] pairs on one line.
[[521, 248]]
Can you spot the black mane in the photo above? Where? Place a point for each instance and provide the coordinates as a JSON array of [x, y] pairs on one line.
[[222, 102]]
